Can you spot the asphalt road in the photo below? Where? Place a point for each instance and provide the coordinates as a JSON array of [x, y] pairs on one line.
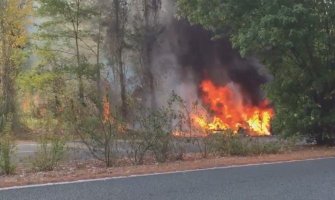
[[307, 180], [25, 151], [76, 150]]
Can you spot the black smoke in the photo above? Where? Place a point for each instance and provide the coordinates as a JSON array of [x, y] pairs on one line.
[[215, 59]]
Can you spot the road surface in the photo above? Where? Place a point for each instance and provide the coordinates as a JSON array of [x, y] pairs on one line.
[[76, 150], [303, 180]]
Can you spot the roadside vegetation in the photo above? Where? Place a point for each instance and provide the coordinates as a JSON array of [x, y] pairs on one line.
[[83, 70], [51, 151], [295, 41], [7, 149]]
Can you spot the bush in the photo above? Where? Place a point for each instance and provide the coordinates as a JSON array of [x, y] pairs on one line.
[[187, 127], [98, 128], [228, 143], [259, 148], [7, 147], [51, 151], [6, 150], [139, 145], [153, 133], [158, 125], [225, 144]]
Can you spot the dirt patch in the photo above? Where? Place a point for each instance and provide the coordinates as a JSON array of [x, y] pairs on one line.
[[80, 170]]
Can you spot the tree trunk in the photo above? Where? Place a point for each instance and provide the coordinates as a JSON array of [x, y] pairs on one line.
[[151, 8], [79, 64], [98, 68], [119, 55], [8, 82], [124, 105]]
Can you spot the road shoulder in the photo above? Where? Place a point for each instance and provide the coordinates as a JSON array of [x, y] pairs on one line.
[[94, 170]]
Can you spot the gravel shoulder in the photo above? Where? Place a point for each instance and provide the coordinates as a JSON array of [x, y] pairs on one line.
[[91, 169]]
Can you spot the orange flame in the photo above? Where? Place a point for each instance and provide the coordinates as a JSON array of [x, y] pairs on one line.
[[26, 104], [106, 110], [231, 112], [109, 118]]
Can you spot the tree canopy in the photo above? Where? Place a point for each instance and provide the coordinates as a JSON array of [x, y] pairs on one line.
[[14, 17], [295, 40]]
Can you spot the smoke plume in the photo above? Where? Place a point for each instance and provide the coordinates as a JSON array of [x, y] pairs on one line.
[[191, 52]]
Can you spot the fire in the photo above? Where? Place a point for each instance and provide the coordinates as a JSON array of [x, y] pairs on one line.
[[232, 112], [106, 110], [108, 118]]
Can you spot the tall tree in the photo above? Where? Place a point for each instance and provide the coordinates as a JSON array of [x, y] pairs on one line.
[[151, 31], [67, 23], [116, 45], [98, 39], [146, 27], [295, 39], [14, 15]]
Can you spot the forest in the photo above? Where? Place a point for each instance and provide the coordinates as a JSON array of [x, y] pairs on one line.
[[151, 77]]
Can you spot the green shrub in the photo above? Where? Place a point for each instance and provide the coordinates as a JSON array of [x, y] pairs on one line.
[[6, 150], [153, 132], [228, 143], [259, 148], [51, 151], [237, 146], [7, 147]]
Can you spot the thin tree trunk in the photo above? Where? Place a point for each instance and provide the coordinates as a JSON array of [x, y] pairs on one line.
[[79, 64], [119, 55], [149, 39], [124, 105], [98, 67]]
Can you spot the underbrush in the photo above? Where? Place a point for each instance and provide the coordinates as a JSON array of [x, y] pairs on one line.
[[227, 144], [6, 151], [51, 151], [230, 144], [7, 148]]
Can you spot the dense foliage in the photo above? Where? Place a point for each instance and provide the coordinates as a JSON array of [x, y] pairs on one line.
[[88, 70], [295, 40], [13, 44]]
